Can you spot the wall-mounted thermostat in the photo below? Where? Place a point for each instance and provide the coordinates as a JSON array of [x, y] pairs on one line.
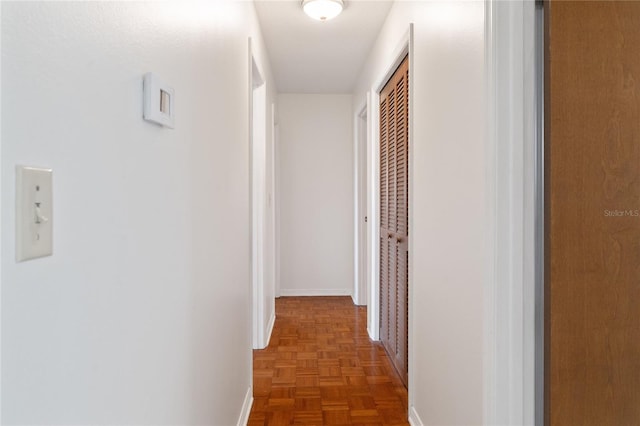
[[159, 101]]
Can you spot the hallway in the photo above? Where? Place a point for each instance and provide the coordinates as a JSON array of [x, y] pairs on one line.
[[321, 368], [147, 311]]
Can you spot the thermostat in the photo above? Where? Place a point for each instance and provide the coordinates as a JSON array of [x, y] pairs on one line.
[[159, 101]]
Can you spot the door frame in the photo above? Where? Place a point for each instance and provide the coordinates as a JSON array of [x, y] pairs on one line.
[[257, 192], [1, 251], [361, 248], [404, 47], [275, 148], [540, 306], [513, 285]]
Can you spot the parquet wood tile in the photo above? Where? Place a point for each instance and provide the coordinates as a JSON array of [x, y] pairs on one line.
[[320, 368]]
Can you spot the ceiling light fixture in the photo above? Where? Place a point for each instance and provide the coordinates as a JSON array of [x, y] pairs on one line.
[[322, 10]]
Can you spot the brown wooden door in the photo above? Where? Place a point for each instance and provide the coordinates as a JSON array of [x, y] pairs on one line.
[[592, 120], [394, 220]]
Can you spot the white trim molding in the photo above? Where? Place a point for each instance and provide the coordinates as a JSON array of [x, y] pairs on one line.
[[272, 323], [291, 292], [509, 350], [414, 418], [1, 248], [246, 408], [360, 138]]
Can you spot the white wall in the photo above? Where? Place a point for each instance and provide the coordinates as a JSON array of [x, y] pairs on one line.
[[316, 194], [142, 315], [448, 203]]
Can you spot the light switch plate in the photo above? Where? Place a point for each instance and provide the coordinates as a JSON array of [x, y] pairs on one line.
[[34, 213]]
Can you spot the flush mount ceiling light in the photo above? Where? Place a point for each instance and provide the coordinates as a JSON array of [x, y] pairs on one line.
[[322, 10]]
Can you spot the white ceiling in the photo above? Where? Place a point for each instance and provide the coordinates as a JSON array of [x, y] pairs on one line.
[[309, 56]]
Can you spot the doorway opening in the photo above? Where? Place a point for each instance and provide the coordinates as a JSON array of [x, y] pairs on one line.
[[394, 218], [361, 244], [403, 52], [260, 207]]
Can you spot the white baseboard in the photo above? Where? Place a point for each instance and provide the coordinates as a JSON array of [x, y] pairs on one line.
[[414, 418], [272, 322], [370, 333], [315, 292], [246, 408], [355, 302]]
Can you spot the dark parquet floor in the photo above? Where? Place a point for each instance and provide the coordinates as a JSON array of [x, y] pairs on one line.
[[320, 368]]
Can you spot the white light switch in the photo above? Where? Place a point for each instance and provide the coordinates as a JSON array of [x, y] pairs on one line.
[[34, 213]]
